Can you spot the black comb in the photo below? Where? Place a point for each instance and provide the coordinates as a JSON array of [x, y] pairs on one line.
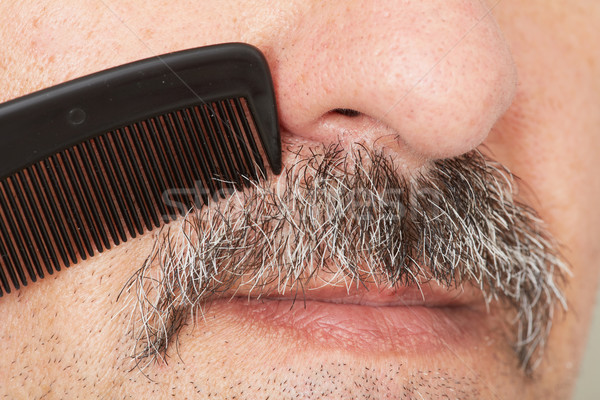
[[91, 163]]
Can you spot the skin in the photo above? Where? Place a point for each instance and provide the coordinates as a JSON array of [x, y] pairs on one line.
[[523, 81]]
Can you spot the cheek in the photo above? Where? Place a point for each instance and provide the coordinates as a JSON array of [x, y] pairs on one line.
[[58, 41], [550, 138], [551, 134], [72, 324]]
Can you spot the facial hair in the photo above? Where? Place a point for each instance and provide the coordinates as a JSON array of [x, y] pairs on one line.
[[353, 215]]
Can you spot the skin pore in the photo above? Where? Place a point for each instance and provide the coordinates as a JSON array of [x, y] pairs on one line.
[[431, 80]]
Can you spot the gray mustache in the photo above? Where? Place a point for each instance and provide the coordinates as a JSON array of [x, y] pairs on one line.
[[350, 213]]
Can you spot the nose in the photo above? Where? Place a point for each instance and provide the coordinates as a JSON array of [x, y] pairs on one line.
[[434, 76]]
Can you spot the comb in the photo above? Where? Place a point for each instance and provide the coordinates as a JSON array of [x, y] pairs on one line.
[[93, 162]]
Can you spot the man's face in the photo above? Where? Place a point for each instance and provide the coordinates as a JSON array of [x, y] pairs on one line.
[[430, 81]]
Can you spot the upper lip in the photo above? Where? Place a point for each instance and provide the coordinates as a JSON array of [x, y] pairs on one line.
[[429, 294]]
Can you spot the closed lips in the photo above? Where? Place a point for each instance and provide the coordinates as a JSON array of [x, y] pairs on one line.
[[365, 320]]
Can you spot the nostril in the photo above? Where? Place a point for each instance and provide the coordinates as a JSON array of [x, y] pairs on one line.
[[347, 112]]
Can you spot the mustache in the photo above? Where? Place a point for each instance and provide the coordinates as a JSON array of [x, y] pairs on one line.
[[350, 214]]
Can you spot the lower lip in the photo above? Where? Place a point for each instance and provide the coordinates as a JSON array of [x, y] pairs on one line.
[[360, 328]]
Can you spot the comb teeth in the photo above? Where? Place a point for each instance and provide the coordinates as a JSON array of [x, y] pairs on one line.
[[115, 186]]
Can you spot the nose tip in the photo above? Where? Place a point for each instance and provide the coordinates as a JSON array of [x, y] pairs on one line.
[[438, 74]]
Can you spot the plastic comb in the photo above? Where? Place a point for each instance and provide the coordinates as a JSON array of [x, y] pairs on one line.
[[90, 163]]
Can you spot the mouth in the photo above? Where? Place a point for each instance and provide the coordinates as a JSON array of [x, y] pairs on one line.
[[338, 217], [367, 320]]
